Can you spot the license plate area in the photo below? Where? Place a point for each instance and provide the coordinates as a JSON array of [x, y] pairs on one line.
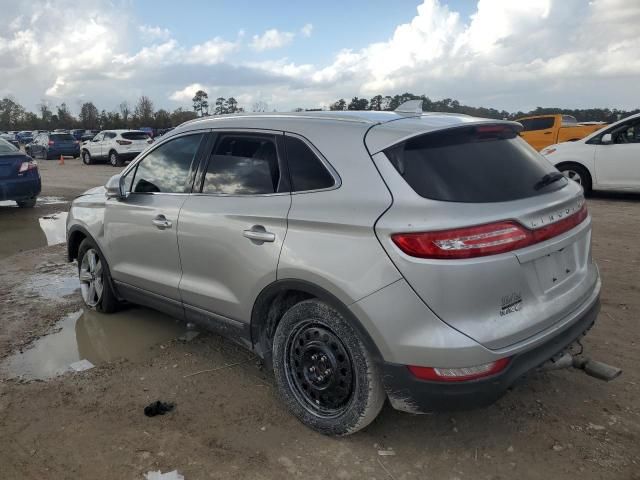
[[556, 267]]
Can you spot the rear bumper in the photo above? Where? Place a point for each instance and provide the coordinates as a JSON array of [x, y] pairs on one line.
[[67, 151], [20, 188], [129, 155], [408, 393]]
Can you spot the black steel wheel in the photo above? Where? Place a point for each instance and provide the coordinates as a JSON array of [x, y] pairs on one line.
[[325, 374]]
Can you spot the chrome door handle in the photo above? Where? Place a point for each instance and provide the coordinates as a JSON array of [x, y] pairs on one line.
[[257, 233], [161, 222]]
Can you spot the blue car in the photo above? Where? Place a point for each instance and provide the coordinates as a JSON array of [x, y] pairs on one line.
[[19, 176], [52, 145], [24, 137]]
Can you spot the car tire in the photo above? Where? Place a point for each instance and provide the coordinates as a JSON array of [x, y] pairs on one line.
[[95, 279], [30, 203], [325, 374], [86, 157], [45, 154], [114, 159], [578, 174]]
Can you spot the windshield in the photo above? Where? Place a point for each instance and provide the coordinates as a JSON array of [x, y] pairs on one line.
[[62, 137]]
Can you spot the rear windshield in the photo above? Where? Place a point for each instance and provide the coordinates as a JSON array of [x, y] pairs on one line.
[[488, 163], [6, 147], [135, 136], [60, 137]]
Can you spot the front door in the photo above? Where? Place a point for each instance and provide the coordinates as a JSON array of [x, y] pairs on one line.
[[140, 230], [618, 163], [95, 145], [231, 233]]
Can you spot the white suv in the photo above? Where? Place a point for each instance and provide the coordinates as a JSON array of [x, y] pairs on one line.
[[116, 146]]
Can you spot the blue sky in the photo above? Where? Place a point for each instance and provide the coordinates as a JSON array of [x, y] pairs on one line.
[[507, 54], [336, 24]]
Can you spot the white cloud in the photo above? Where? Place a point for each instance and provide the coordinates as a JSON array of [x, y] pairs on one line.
[[187, 93], [306, 30], [270, 39], [154, 33]]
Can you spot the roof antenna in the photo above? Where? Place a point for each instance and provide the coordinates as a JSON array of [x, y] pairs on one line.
[[411, 106]]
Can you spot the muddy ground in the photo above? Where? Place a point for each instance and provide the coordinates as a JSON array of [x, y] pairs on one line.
[[229, 422]]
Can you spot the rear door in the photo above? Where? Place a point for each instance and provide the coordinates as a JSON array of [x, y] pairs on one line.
[[618, 163], [232, 228], [141, 230], [493, 249]]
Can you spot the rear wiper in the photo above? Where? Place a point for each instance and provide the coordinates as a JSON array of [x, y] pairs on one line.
[[548, 179]]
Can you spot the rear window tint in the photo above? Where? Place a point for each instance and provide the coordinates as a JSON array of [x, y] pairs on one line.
[[61, 137], [472, 164], [531, 124], [134, 136]]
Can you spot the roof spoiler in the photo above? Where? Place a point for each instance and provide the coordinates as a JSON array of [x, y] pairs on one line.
[[412, 106]]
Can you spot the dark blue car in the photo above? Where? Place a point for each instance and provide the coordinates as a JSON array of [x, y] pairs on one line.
[[52, 145], [19, 176]]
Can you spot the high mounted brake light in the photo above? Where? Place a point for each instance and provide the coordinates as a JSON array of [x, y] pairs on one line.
[[482, 240]]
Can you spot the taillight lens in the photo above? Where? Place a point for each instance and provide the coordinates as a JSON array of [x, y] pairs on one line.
[[439, 374], [26, 166], [123, 142], [51, 142], [482, 240]]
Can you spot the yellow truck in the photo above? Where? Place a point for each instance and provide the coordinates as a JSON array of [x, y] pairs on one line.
[[540, 131]]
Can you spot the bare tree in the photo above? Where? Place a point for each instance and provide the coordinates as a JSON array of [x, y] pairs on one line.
[[144, 110], [125, 112], [260, 106]]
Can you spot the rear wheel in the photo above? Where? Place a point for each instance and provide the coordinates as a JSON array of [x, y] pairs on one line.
[[95, 281], [30, 203], [325, 374], [578, 174], [114, 159], [45, 154], [86, 157]]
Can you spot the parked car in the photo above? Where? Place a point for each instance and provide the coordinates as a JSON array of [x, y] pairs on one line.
[[77, 133], [11, 138], [88, 135], [608, 159], [24, 137], [19, 176], [52, 145], [114, 146], [540, 131], [431, 259], [148, 130]]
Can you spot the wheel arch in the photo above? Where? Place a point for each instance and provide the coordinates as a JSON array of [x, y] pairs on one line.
[[569, 163], [275, 299]]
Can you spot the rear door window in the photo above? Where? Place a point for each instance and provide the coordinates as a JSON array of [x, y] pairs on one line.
[[531, 124], [472, 164], [243, 165], [306, 169]]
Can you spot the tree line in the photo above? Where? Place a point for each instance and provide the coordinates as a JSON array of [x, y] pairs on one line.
[[14, 116]]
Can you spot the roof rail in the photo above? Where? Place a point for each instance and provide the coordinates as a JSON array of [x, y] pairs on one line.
[[411, 106]]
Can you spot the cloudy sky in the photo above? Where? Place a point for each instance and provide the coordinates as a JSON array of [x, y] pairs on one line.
[[506, 54]]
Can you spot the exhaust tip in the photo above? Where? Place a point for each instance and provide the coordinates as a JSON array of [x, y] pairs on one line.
[[601, 370]]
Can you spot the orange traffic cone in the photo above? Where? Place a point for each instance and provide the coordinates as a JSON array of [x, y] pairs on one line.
[[61, 161]]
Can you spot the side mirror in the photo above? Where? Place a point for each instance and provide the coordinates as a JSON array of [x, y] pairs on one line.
[[114, 188], [606, 139]]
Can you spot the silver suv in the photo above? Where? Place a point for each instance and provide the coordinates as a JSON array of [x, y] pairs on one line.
[[430, 259]]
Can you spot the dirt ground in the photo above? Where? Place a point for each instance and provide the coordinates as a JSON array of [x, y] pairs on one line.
[[229, 423]]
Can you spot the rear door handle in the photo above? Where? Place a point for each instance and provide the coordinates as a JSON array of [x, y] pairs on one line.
[[161, 222], [258, 233]]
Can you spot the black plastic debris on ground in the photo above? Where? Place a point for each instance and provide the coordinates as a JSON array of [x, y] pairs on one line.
[[158, 408]]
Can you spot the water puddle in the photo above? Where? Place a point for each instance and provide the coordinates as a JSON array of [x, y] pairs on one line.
[[92, 336], [27, 229], [54, 227]]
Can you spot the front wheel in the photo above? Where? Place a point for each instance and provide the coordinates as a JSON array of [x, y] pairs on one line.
[[324, 373], [114, 159], [29, 203], [95, 281]]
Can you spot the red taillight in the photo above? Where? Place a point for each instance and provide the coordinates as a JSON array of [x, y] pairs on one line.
[[482, 240], [51, 142], [26, 166], [440, 374], [123, 142]]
